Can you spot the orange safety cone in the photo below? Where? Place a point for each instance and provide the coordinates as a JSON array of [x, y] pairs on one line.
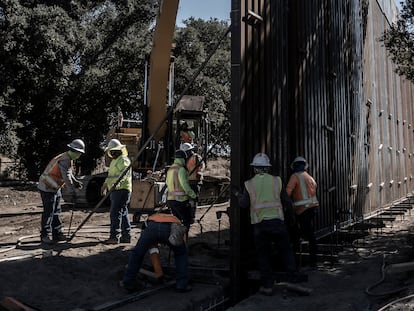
[[156, 262]]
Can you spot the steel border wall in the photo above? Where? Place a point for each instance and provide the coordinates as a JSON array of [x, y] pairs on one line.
[[311, 78]]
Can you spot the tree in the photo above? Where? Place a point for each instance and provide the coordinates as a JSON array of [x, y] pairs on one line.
[[399, 41], [193, 45], [67, 65]]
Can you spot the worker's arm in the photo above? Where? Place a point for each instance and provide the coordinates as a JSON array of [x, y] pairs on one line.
[[293, 181], [244, 198], [287, 207], [65, 166], [183, 178]]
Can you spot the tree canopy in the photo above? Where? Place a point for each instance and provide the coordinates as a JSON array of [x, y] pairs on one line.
[[68, 66], [399, 41]]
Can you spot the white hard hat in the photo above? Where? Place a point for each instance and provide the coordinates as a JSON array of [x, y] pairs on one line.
[[114, 144], [77, 145], [261, 159], [186, 147], [299, 160]]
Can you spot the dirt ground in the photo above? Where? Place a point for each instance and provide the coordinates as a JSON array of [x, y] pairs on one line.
[[85, 272]]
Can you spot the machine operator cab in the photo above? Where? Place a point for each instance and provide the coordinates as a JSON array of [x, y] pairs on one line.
[[191, 123]]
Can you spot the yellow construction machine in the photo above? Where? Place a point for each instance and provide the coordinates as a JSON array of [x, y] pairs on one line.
[[161, 128]]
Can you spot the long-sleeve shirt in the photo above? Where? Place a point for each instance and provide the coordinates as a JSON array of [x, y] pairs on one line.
[[182, 180], [65, 164], [116, 168]]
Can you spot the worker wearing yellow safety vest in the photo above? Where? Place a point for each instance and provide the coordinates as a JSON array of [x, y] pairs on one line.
[[57, 174], [269, 204], [179, 190], [195, 166], [120, 230], [302, 189]]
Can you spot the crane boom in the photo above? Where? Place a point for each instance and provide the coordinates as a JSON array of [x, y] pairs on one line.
[[159, 65]]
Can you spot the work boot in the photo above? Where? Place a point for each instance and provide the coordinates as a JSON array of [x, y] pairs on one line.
[[45, 239], [59, 237], [112, 241]]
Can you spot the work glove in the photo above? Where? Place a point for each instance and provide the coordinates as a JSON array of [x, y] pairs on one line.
[[104, 189], [78, 184]]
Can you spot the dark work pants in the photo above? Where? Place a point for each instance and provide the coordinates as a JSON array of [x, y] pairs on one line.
[[268, 232], [157, 232], [182, 211], [307, 231]]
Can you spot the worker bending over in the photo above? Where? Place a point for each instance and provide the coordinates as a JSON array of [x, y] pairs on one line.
[[161, 228]]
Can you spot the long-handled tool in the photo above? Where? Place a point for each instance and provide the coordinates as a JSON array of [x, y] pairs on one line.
[[225, 188], [146, 143]]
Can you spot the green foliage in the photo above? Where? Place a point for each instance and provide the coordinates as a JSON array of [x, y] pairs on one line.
[[68, 66], [399, 41], [194, 43]]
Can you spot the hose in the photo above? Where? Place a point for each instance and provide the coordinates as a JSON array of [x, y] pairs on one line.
[[388, 293], [18, 244]]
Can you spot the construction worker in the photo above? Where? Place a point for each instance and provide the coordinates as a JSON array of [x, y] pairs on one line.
[[159, 229], [195, 165], [268, 202], [302, 189], [179, 190], [57, 174], [186, 135], [120, 231]]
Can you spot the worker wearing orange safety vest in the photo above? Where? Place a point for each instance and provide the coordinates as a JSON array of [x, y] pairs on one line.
[[268, 202], [302, 189], [179, 190], [57, 174], [159, 229]]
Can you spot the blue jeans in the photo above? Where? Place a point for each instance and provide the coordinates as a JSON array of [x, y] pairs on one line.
[[268, 232], [120, 225], [51, 222], [156, 232]]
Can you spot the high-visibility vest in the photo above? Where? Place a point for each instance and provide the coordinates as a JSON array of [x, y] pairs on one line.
[[191, 165], [175, 190], [116, 167], [306, 199], [52, 176], [159, 217], [264, 191]]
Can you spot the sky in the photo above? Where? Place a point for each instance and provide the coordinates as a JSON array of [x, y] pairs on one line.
[[203, 9]]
